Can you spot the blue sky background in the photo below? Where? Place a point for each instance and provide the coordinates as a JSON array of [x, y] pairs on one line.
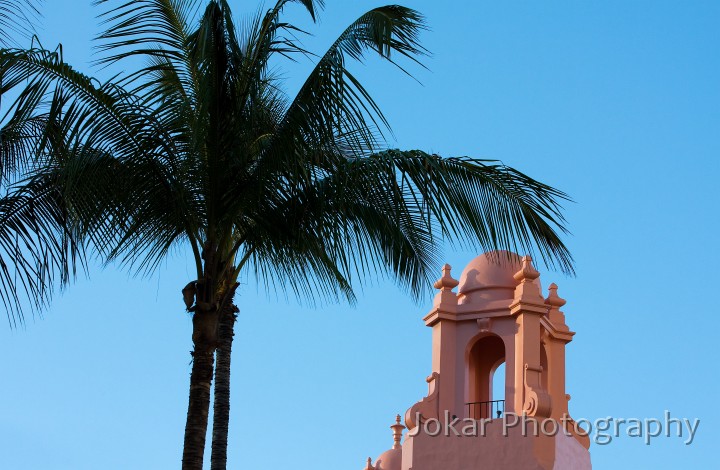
[[615, 102]]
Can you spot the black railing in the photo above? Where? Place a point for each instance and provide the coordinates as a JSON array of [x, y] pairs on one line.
[[486, 409]]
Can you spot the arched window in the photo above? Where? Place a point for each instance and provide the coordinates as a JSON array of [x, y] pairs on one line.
[[487, 357]]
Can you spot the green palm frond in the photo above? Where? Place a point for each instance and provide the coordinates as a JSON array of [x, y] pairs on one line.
[[389, 211], [483, 203], [98, 115], [17, 17], [146, 27], [332, 102], [38, 251]]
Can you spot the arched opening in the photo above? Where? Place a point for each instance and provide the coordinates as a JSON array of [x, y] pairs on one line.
[[486, 375]]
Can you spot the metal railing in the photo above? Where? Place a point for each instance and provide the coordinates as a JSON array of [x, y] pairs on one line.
[[486, 409]]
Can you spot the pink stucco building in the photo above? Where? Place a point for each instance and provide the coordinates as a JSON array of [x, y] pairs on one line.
[[498, 315]]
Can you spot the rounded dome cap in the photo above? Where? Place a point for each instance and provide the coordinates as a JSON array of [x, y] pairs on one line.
[[490, 277], [494, 268], [390, 460]]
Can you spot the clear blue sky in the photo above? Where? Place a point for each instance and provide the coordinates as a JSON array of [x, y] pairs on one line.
[[615, 102]]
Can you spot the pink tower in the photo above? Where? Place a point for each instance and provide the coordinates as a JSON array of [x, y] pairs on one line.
[[498, 316]]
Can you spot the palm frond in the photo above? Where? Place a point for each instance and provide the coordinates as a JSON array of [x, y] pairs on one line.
[[17, 17], [483, 203], [38, 250], [389, 211], [332, 101], [146, 27]]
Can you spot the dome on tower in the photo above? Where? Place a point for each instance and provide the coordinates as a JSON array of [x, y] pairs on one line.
[[389, 460], [490, 277]]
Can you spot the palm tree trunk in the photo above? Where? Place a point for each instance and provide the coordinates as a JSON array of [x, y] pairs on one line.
[[205, 341], [221, 404]]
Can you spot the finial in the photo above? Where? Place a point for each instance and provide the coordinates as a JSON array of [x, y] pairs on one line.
[[527, 271], [369, 465], [553, 299], [555, 302], [397, 430], [446, 281]]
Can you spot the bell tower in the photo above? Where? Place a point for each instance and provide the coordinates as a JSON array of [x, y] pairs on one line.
[[497, 316]]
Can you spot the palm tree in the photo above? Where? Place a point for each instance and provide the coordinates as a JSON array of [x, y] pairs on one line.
[[200, 147]]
